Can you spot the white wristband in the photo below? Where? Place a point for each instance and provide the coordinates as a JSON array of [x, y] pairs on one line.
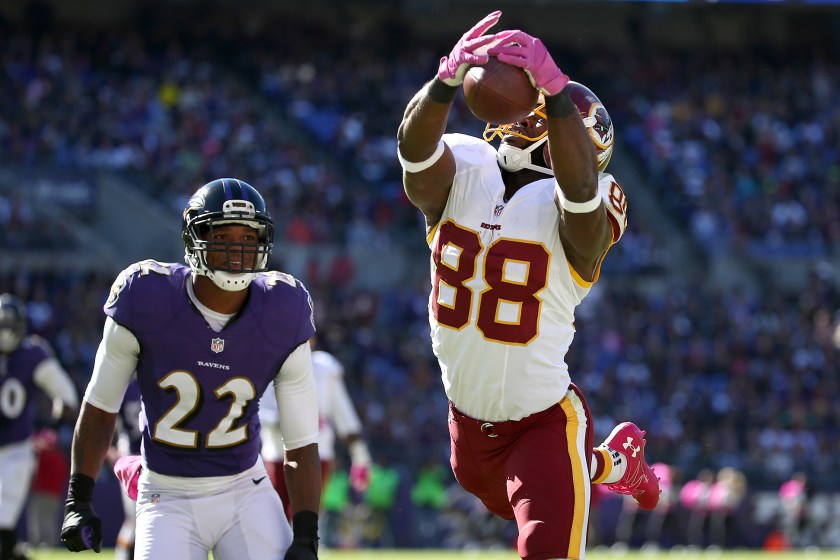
[[578, 207], [419, 166], [359, 453]]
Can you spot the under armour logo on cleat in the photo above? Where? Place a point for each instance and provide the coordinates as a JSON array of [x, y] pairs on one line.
[[629, 445], [257, 481]]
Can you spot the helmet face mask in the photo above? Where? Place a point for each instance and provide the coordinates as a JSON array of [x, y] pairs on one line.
[[230, 264], [595, 118], [13, 323], [512, 158], [492, 131]]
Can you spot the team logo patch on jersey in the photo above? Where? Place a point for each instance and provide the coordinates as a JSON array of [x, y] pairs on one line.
[[155, 498], [498, 210], [217, 345]]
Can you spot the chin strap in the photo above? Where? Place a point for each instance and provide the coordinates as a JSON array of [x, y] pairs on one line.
[[232, 281], [513, 159], [228, 281]]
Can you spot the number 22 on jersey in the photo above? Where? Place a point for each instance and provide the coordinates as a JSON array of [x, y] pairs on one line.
[[169, 428]]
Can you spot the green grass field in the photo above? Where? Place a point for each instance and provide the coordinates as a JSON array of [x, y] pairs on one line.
[[470, 555]]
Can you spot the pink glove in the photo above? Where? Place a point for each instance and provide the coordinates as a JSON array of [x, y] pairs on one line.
[[529, 53], [359, 477], [470, 50], [127, 470]]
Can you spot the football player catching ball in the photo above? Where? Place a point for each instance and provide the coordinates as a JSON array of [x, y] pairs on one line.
[[517, 236]]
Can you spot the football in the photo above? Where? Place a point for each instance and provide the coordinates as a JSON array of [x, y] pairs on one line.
[[499, 93]]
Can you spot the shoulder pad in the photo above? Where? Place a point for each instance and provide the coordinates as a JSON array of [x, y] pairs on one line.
[[34, 342], [470, 150], [144, 288], [283, 287], [273, 278], [132, 272]]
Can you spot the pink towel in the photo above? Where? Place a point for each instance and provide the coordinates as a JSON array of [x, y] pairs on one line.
[[127, 470]]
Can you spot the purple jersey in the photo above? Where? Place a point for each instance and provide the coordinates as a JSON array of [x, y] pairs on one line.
[[200, 389], [17, 387], [130, 418]]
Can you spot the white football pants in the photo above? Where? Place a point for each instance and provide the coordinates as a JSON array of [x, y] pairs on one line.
[[236, 517], [17, 465]]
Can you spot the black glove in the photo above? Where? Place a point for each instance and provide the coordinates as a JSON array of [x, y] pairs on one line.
[[82, 528], [305, 543]]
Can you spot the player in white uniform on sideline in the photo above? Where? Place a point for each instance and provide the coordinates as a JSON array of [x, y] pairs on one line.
[[206, 340], [27, 364], [517, 237], [336, 416]]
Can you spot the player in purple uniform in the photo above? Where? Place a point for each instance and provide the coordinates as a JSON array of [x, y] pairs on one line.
[[128, 445], [205, 341], [27, 364]]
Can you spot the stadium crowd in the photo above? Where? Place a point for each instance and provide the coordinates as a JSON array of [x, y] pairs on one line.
[[719, 378], [313, 130], [745, 158]]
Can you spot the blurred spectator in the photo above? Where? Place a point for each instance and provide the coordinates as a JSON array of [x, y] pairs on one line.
[[694, 497], [635, 526], [335, 503], [46, 496], [664, 514], [794, 497], [428, 496], [379, 498], [725, 499]]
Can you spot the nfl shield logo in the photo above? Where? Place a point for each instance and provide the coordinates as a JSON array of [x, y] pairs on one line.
[[155, 498], [217, 345], [498, 210]]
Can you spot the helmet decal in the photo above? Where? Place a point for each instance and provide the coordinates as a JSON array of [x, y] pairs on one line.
[[196, 202]]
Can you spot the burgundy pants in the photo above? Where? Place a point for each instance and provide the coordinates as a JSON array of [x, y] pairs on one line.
[[278, 480], [534, 470]]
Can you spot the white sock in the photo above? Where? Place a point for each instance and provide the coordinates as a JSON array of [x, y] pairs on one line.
[[614, 468]]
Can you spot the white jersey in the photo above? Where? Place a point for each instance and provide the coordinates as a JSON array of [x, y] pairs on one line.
[[336, 413], [503, 294], [338, 416]]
